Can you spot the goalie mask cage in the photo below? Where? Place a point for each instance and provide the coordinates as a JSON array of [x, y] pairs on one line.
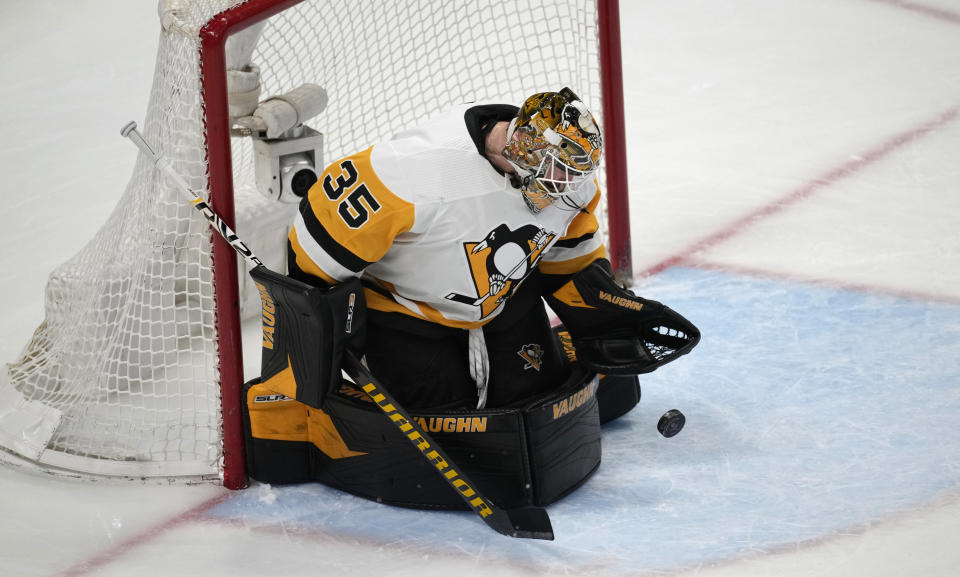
[[136, 370]]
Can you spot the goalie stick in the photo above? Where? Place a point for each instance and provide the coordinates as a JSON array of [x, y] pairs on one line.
[[130, 131], [523, 522]]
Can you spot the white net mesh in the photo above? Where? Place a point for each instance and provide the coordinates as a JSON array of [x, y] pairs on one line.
[[125, 362], [388, 65], [122, 377]]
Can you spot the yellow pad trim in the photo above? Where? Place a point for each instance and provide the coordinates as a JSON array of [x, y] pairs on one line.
[[325, 436], [570, 296], [276, 417], [283, 382], [279, 417]]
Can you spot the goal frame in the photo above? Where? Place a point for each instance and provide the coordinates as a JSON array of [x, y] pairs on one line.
[[213, 37]]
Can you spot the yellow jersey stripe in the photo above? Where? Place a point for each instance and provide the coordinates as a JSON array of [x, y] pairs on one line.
[[572, 265], [359, 213], [311, 256], [304, 261]]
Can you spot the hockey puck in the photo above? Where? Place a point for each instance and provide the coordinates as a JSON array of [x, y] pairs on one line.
[[671, 423]]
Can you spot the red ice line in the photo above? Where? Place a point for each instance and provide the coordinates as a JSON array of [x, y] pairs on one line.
[[937, 13], [95, 562], [906, 294], [806, 190], [815, 185], [835, 175]]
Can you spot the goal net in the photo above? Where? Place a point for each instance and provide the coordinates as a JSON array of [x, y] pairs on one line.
[[136, 370]]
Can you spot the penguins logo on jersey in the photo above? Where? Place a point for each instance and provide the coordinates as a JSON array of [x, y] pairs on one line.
[[500, 262], [533, 355]]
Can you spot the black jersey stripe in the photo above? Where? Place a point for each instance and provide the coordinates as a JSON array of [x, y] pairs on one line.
[[573, 242], [336, 250]]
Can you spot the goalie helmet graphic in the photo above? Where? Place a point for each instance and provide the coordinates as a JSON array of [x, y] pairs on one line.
[[554, 144]]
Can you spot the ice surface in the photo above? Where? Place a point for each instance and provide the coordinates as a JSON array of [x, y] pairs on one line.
[[794, 185], [794, 406]]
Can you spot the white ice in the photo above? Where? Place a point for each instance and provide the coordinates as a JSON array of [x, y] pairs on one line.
[[795, 191]]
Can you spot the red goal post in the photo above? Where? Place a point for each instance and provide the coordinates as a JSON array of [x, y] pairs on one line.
[[146, 320]]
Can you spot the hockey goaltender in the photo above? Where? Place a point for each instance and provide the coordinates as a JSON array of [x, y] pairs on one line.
[[430, 256]]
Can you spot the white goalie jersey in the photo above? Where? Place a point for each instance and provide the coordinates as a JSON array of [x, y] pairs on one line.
[[434, 229]]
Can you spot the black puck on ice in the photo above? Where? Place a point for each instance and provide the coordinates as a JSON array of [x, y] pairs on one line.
[[671, 423]]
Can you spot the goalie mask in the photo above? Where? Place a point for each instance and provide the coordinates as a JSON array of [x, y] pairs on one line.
[[554, 144]]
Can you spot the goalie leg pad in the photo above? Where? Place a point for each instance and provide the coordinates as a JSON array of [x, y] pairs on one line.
[[533, 455], [305, 331], [617, 395]]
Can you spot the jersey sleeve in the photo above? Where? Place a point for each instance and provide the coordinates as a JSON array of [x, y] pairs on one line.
[[347, 222], [581, 245]]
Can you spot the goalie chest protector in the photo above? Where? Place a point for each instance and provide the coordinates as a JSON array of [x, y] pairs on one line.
[[532, 455]]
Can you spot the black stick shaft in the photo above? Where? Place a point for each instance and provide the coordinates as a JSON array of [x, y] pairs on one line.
[[528, 522]]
